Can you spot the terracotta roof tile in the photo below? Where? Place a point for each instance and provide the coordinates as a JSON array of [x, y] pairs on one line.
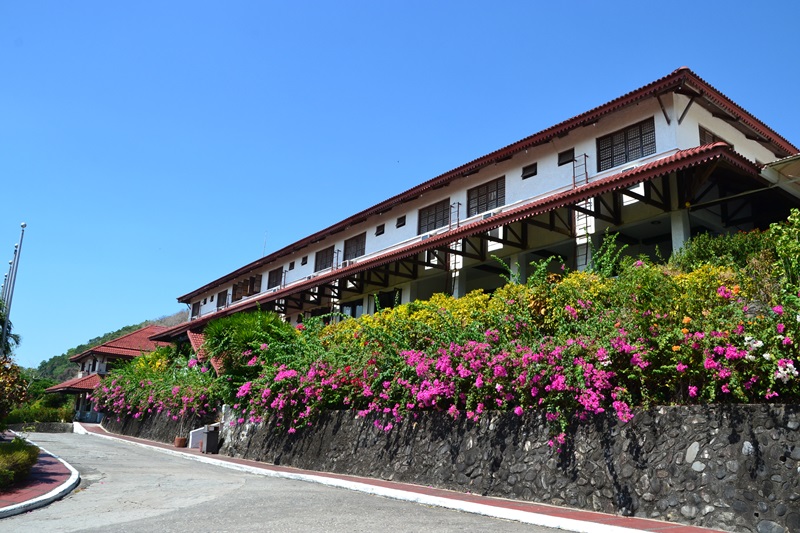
[[197, 340], [130, 345], [86, 383]]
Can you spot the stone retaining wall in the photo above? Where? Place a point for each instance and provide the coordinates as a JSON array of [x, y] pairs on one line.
[[735, 468], [160, 428]]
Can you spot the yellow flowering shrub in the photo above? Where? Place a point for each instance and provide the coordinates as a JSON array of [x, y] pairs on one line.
[[156, 361], [698, 290]]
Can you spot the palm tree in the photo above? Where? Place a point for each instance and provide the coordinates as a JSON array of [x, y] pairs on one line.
[[12, 339]]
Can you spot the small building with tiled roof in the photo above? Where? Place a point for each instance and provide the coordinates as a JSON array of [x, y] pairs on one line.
[[96, 362], [664, 162]]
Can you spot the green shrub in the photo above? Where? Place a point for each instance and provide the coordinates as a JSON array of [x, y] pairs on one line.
[[160, 381], [732, 251], [39, 413], [786, 236], [16, 460], [230, 337]]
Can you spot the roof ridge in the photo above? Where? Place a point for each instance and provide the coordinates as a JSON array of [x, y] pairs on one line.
[[115, 344], [115, 339]]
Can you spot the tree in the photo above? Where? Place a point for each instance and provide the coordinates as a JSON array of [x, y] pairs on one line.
[[12, 381], [12, 339]]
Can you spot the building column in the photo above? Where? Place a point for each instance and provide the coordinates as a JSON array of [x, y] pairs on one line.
[[519, 267], [678, 217], [681, 229], [458, 278]]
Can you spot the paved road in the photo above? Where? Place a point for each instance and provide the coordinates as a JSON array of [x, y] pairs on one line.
[[128, 488]]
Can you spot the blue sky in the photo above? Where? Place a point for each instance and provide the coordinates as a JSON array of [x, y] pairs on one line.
[[154, 146]]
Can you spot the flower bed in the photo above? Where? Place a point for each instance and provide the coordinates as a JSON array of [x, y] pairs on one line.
[[718, 323]]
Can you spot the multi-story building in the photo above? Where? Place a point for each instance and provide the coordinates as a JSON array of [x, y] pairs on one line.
[[657, 165], [96, 362]]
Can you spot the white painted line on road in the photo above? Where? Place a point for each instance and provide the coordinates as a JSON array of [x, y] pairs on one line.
[[526, 517], [45, 499]]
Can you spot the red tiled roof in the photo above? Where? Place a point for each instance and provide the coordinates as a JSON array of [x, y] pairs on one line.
[[680, 160], [197, 340], [680, 79], [86, 383], [130, 345]]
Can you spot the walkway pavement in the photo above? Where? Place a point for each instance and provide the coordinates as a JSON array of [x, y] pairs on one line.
[[53, 476], [50, 479]]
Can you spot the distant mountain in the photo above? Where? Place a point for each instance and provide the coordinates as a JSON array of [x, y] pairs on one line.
[[61, 369]]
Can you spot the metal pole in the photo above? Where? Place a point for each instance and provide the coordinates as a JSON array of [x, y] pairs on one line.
[[12, 278], [7, 278]]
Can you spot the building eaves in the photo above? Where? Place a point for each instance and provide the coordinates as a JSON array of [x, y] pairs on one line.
[[680, 160], [680, 78]]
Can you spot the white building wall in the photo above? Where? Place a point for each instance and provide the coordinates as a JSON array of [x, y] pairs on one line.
[[550, 178], [689, 132]]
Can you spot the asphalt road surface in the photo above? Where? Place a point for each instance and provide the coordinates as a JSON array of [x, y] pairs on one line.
[[126, 488]]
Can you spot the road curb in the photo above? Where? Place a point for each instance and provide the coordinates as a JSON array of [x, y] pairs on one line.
[[45, 499], [526, 517]]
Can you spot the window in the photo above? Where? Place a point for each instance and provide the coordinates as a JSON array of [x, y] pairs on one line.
[[434, 216], [237, 292], [304, 260], [629, 144], [708, 137], [401, 221], [530, 170], [388, 299], [380, 229], [274, 278], [291, 265], [252, 285], [323, 259], [222, 299], [486, 197], [246, 287], [353, 309], [566, 157], [355, 247], [195, 309]]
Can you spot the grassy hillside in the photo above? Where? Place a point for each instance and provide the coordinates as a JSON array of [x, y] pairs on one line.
[[59, 367]]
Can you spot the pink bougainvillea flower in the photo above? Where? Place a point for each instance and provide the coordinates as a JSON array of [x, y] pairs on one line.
[[244, 390], [692, 391], [770, 394], [623, 411]]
